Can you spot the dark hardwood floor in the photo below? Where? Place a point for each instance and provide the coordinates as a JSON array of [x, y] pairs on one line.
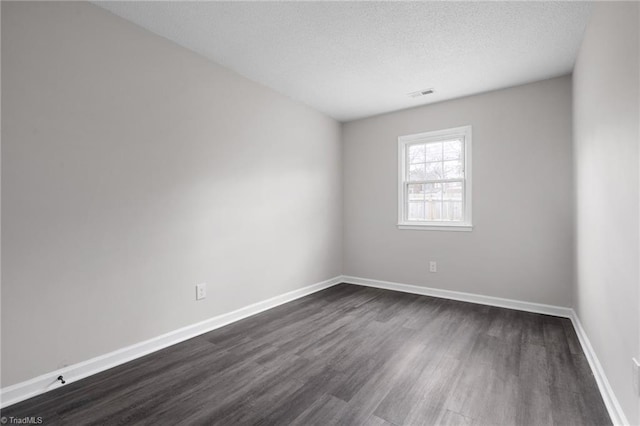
[[349, 355]]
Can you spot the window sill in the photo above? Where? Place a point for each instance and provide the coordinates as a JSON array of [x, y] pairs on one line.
[[455, 228]]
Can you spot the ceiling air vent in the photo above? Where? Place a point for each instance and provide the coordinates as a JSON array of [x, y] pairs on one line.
[[420, 93]]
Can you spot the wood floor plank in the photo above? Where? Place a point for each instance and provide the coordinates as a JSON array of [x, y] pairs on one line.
[[377, 421], [565, 409], [363, 403], [532, 329], [592, 407], [572, 338], [454, 419], [326, 410], [534, 397], [561, 368], [348, 355], [482, 394], [432, 392]]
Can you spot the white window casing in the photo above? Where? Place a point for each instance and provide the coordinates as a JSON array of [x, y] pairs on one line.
[[434, 180]]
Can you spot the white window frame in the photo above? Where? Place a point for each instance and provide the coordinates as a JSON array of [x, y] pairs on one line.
[[463, 133]]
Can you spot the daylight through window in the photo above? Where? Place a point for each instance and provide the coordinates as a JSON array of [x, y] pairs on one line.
[[435, 180]]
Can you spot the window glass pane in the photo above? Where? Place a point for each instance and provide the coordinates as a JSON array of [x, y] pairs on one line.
[[433, 210], [415, 192], [433, 195], [416, 210], [452, 211], [452, 169], [434, 151], [433, 171], [452, 150], [452, 191], [417, 172], [416, 154], [433, 191]]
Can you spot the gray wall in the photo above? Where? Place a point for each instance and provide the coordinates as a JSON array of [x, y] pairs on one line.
[[133, 169], [521, 244], [606, 138]]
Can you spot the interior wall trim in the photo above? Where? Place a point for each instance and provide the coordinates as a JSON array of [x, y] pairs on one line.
[[72, 373], [47, 382], [538, 308], [610, 401]]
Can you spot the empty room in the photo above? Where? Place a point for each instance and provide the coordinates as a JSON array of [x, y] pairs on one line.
[[320, 213]]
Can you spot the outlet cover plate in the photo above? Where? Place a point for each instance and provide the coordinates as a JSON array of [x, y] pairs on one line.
[[201, 291]]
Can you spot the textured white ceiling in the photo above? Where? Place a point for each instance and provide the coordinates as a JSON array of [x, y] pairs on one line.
[[356, 59]]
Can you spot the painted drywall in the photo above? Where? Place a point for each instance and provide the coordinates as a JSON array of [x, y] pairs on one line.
[[606, 95], [133, 169], [521, 244]]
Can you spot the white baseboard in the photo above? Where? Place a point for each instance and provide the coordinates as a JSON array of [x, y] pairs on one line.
[[609, 398], [538, 308], [46, 382]]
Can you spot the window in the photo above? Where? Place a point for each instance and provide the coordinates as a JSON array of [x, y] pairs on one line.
[[434, 185]]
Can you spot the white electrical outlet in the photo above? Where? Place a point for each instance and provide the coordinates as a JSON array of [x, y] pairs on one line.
[[201, 291], [636, 375], [433, 266]]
